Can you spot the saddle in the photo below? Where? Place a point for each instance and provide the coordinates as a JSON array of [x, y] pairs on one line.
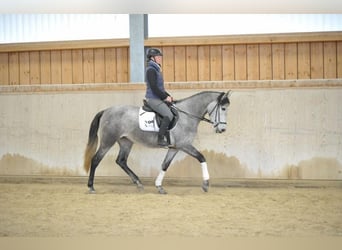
[[149, 120]]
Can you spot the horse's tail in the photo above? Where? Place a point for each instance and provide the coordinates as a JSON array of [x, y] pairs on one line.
[[92, 141]]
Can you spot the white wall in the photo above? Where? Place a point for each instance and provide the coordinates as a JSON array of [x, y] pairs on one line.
[[279, 133]]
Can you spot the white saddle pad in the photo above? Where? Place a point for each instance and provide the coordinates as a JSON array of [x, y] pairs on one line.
[[147, 121]]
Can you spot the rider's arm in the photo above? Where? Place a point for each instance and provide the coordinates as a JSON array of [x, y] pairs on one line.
[[151, 76]]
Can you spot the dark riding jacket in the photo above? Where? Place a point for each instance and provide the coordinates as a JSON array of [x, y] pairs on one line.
[[154, 82]]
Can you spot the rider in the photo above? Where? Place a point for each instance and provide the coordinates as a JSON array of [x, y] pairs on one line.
[[156, 96]]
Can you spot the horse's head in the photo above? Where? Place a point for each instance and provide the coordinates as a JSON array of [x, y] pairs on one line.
[[217, 111]]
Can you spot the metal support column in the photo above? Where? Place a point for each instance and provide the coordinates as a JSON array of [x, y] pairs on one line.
[[138, 32]]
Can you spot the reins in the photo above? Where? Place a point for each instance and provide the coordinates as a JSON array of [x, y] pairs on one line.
[[217, 115], [191, 115]]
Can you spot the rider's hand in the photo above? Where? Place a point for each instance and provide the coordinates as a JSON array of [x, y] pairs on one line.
[[169, 99]]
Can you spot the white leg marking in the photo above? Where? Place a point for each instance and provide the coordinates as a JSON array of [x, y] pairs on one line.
[[160, 178], [205, 172]]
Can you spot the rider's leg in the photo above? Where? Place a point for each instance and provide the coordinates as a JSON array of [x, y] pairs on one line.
[[165, 111], [161, 108], [162, 141]]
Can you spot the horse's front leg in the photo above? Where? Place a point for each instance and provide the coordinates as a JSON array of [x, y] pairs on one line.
[[191, 150], [171, 153], [205, 173]]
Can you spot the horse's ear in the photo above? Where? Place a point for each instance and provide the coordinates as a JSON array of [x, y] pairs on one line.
[[223, 98], [226, 95]]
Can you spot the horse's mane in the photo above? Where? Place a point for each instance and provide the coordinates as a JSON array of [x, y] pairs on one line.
[[195, 95]]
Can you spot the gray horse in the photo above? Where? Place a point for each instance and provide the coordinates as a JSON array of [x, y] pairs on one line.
[[120, 124]]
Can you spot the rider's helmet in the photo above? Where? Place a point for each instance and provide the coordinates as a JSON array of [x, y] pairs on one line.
[[152, 52]]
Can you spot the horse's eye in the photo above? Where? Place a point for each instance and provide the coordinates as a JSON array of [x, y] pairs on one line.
[[223, 109]]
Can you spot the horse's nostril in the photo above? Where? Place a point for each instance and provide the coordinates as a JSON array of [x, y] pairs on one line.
[[223, 130]]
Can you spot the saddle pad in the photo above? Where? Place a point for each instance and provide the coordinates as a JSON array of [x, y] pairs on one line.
[[148, 121]]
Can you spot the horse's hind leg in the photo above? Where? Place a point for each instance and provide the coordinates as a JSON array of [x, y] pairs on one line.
[[125, 149], [94, 163]]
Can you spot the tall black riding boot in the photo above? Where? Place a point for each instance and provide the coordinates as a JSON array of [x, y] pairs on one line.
[[162, 141]]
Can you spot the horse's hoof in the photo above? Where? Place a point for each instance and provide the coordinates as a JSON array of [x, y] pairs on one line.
[[161, 190], [205, 186], [92, 190], [140, 186]]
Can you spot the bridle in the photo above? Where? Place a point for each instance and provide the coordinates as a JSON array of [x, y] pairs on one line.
[[217, 113]]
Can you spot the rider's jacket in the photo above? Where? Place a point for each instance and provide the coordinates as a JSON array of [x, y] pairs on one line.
[[151, 92]]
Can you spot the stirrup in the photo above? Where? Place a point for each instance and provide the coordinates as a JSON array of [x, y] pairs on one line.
[[163, 142]]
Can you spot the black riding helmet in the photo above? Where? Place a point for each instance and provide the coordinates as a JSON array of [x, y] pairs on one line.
[[153, 52]]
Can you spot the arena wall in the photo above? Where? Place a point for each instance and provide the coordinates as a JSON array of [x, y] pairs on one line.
[[276, 129]]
